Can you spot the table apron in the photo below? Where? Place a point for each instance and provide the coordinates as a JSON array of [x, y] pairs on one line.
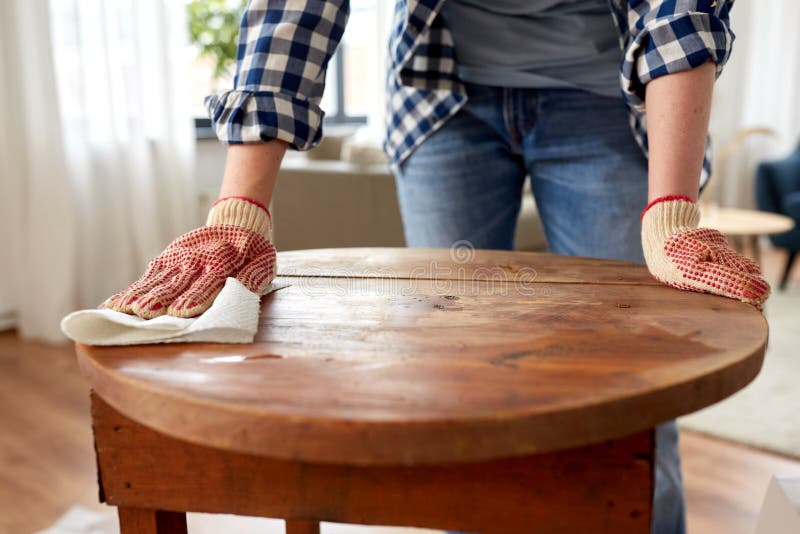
[[605, 487]]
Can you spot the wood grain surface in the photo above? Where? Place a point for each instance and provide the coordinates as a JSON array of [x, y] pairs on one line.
[[459, 263], [441, 358]]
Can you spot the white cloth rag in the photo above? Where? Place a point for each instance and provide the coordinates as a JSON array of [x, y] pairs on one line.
[[232, 318]]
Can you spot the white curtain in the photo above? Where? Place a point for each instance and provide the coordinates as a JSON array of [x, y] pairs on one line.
[[96, 151], [760, 87]]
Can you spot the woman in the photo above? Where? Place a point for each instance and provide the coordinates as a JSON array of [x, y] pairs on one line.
[[481, 95]]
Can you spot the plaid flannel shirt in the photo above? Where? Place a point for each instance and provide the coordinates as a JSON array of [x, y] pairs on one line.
[[285, 46]]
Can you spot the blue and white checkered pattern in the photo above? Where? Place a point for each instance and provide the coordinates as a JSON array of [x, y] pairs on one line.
[[284, 49], [285, 46]]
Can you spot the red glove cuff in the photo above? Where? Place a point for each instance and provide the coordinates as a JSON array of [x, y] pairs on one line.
[[250, 200], [665, 199]]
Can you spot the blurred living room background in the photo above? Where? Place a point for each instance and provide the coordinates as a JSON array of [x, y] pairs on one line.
[[106, 155]]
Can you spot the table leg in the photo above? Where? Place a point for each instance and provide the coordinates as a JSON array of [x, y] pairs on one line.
[[299, 526], [737, 242], [142, 521], [756, 253]]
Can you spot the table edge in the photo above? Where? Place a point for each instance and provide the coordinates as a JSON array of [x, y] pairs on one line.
[[512, 434]]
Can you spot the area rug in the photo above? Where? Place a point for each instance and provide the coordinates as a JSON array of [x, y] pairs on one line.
[[765, 414]]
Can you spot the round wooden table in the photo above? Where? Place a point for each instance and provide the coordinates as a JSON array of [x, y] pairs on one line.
[[743, 222], [475, 390]]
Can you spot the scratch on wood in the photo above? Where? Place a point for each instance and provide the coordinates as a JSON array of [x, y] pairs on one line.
[[506, 360]]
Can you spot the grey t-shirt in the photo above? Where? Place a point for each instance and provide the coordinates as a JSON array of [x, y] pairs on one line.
[[536, 43]]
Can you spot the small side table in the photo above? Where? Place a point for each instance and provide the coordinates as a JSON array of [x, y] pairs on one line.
[[744, 226], [482, 391]]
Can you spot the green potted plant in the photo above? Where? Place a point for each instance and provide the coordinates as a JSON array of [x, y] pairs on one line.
[[213, 27]]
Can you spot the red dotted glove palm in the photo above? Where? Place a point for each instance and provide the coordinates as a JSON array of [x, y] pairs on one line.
[[697, 259], [184, 280]]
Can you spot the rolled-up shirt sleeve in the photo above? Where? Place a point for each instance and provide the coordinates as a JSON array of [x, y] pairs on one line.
[[669, 36], [283, 51]]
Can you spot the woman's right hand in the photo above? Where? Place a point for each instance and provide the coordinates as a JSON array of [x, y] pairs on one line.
[[184, 280]]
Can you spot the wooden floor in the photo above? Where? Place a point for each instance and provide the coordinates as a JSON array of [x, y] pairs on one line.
[[47, 461]]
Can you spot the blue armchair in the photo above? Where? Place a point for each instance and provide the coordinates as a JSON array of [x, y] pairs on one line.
[[778, 191]]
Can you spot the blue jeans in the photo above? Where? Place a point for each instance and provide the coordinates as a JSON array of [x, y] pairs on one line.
[[589, 180]]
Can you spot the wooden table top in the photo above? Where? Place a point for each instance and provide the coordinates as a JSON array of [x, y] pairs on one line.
[[407, 356]]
